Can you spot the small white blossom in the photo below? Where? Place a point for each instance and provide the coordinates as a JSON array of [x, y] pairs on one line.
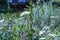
[[46, 28], [54, 17], [53, 35], [42, 38], [41, 32], [2, 20], [25, 13]]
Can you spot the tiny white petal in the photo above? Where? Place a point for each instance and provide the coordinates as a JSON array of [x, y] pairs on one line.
[[2, 20], [25, 13], [42, 38], [53, 35], [41, 32], [54, 16]]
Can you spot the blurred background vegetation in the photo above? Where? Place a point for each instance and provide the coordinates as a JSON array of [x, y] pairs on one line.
[[34, 22]]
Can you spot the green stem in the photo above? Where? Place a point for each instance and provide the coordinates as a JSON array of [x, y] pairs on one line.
[[30, 19]]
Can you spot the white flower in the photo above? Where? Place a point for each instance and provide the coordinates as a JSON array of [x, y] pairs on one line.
[[41, 32], [53, 35], [25, 13], [42, 38], [2, 20], [46, 28], [54, 17]]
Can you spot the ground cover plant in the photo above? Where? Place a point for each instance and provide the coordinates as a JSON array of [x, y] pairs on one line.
[[37, 22]]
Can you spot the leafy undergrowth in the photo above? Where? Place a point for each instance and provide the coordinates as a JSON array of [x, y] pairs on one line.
[[45, 24]]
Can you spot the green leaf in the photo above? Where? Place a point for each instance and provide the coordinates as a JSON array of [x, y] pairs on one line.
[[23, 27]]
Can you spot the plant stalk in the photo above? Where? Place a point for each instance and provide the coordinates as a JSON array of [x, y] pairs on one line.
[[30, 19]]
